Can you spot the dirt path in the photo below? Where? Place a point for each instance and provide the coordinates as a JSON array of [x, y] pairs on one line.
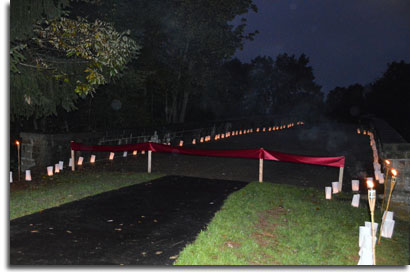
[[144, 224]]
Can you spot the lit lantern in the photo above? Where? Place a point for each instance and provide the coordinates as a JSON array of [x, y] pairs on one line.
[[193, 141], [80, 161], [92, 159], [125, 154], [269, 129], [201, 139], [257, 130], [56, 168], [355, 185], [222, 136], [216, 137], [11, 177], [134, 153], [388, 227], [356, 200], [49, 170], [181, 143], [364, 132], [328, 192], [143, 151], [335, 187], [28, 175], [240, 132], [61, 165], [263, 129], [70, 162], [369, 182], [111, 156]]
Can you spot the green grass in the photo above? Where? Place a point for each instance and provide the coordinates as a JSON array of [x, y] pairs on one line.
[[270, 224], [67, 187]]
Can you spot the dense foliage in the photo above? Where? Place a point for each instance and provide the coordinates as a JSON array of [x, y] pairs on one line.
[[56, 58]]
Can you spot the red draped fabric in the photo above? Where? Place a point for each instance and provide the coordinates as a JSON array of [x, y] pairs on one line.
[[242, 153]]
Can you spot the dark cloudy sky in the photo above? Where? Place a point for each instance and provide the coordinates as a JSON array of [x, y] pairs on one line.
[[347, 41]]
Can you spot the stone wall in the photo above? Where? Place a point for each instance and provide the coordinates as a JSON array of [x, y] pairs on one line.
[[393, 147], [47, 149], [399, 155]]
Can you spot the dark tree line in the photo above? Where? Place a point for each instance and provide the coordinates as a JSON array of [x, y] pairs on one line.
[[183, 70], [387, 98]]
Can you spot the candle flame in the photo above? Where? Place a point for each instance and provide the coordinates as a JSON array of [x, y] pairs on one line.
[[387, 162], [394, 172], [370, 184], [17, 142]]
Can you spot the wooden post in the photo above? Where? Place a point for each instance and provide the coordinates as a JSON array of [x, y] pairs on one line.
[[260, 170], [341, 178], [72, 160], [149, 161]]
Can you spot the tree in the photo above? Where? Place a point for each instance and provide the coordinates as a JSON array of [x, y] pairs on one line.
[[184, 42], [283, 85], [389, 96], [56, 59], [346, 103]]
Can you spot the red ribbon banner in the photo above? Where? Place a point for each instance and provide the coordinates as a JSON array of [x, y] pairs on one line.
[[242, 153]]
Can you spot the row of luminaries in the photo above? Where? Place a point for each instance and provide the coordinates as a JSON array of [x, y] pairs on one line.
[[368, 232], [60, 165]]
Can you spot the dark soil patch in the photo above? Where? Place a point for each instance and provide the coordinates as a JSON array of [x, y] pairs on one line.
[[143, 224]]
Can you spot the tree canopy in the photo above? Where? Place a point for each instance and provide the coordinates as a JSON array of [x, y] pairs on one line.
[[54, 59]]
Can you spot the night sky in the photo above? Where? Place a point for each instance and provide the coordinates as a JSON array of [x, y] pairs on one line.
[[347, 41]]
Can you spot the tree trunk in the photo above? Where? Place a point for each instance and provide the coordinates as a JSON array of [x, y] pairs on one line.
[[35, 124], [174, 108], [183, 108]]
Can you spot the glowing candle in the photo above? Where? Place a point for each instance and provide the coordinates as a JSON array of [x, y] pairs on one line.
[[134, 153], [61, 165], [80, 161], [57, 168], [125, 154], [92, 159], [111, 156], [328, 192], [28, 175], [335, 187], [356, 200], [355, 185], [49, 170], [193, 141], [181, 143]]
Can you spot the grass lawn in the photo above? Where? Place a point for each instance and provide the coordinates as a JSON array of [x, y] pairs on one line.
[[271, 224], [67, 187]]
